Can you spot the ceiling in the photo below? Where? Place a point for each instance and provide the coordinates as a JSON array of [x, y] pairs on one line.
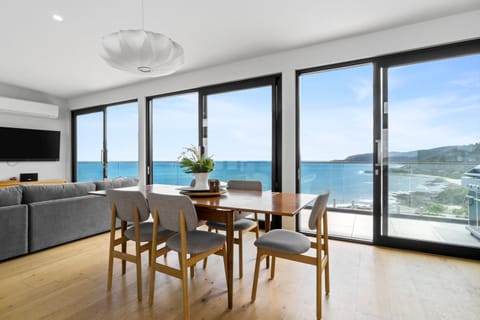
[[61, 58]]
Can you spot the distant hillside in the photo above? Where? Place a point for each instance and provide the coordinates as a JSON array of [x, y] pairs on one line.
[[466, 153]]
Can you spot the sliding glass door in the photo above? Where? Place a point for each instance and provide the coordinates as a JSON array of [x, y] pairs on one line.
[[396, 140], [335, 146], [105, 142], [431, 154]]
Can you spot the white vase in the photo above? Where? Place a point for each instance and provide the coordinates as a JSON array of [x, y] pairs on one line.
[[201, 181]]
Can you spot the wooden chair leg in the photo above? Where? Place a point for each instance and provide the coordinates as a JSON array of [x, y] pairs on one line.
[[319, 289], [192, 269], [326, 253], [110, 268], [183, 266], [205, 260], [272, 271], [150, 256], [153, 257], [240, 254], [111, 248], [205, 263], [138, 261], [327, 277], [138, 254], [152, 285], [123, 245], [255, 276]]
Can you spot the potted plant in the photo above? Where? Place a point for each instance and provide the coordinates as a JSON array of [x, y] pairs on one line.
[[200, 166]]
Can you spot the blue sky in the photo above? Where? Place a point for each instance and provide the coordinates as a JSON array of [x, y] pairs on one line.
[[430, 104], [239, 125], [435, 104], [122, 134]]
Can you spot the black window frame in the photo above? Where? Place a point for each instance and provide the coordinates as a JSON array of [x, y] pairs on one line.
[[100, 108], [273, 80]]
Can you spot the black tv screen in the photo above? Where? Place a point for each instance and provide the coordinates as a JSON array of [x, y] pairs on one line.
[[29, 145]]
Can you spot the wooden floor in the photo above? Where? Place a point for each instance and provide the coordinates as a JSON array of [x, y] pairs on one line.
[[69, 282]]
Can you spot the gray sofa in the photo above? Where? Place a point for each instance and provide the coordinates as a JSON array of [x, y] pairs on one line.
[[13, 223], [35, 217]]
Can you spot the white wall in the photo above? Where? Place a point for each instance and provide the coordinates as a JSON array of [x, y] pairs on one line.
[[46, 169]]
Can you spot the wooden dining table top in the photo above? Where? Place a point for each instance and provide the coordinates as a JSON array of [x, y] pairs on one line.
[[276, 203]]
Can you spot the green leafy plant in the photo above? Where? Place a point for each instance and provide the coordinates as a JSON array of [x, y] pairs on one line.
[[193, 162]]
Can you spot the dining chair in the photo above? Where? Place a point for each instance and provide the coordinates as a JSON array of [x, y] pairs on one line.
[[241, 223], [292, 245], [131, 208], [177, 213]]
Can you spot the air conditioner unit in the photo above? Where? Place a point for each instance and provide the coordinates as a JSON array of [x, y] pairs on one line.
[[28, 108]]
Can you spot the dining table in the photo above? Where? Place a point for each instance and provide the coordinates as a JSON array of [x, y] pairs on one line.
[[221, 206]]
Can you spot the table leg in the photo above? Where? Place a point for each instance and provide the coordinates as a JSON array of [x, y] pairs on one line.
[[225, 216], [230, 259]]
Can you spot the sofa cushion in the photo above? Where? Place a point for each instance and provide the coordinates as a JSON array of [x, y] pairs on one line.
[[10, 196], [54, 222], [116, 183], [44, 192]]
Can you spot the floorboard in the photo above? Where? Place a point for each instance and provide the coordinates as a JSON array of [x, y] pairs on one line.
[[367, 282]]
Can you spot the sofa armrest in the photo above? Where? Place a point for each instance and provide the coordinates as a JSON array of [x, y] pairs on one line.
[[13, 231]]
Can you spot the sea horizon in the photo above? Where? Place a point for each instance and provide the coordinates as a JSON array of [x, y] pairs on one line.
[[349, 183]]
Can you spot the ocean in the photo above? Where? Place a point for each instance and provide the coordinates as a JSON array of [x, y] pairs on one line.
[[349, 183]]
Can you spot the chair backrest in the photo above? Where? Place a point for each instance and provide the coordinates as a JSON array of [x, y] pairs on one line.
[[169, 206], [319, 208], [125, 203], [252, 185]]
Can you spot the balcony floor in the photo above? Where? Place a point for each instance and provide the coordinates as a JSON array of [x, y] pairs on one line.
[[359, 226]]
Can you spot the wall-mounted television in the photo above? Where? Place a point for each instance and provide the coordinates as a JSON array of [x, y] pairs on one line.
[[18, 144]]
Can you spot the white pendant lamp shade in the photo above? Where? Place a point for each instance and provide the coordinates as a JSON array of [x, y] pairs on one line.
[[142, 52]]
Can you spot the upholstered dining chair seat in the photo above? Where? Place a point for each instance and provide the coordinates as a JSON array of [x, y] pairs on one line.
[[284, 241], [289, 245], [240, 224], [197, 241], [146, 232]]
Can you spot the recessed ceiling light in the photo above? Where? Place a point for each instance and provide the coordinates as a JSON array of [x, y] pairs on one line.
[[57, 17]]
